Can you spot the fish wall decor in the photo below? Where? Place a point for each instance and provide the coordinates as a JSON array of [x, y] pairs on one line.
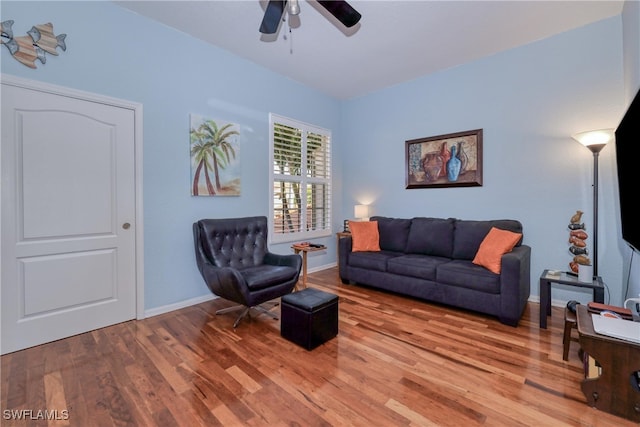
[[39, 41]]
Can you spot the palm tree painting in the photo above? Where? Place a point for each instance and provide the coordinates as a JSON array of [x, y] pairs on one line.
[[215, 162]]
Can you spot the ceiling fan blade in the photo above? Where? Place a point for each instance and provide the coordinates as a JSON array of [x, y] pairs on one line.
[[272, 16], [342, 11]]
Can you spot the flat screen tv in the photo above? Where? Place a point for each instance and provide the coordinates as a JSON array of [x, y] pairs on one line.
[[628, 162]]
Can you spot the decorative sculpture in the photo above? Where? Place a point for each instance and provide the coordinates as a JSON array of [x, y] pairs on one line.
[[577, 242], [39, 41], [580, 234], [578, 247], [576, 218]]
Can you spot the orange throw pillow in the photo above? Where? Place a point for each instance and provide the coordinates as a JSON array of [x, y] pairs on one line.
[[495, 244], [365, 236]]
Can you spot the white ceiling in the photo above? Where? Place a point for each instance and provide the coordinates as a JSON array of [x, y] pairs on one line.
[[395, 41]]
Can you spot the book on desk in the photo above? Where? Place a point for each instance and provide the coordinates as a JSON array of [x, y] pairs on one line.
[[595, 307]]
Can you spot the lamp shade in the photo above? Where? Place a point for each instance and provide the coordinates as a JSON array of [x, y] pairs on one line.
[[594, 140], [361, 212]]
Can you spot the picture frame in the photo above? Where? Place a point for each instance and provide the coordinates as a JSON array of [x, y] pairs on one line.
[[215, 157], [449, 160]]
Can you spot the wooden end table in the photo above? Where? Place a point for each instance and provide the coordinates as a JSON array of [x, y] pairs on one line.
[[305, 249], [564, 278]]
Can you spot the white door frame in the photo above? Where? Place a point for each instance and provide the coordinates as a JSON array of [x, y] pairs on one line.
[[138, 141]]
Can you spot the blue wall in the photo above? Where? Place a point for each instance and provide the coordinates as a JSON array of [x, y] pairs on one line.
[[114, 52], [528, 100]]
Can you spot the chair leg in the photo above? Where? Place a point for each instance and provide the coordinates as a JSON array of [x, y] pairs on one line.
[[244, 308], [243, 314], [569, 324], [566, 341], [264, 308], [230, 309]]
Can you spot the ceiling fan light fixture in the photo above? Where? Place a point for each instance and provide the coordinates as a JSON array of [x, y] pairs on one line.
[[274, 13], [294, 7]]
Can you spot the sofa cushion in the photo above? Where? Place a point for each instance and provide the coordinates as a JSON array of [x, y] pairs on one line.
[[496, 243], [431, 236], [420, 266], [371, 260], [365, 236], [468, 235], [393, 233], [465, 274]]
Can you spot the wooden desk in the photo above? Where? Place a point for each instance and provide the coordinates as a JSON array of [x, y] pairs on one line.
[[305, 249], [564, 279], [616, 390]]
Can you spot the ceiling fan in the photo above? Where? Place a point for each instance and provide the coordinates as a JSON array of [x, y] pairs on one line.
[[276, 8]]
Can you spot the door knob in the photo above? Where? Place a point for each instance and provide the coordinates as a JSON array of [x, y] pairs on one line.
[[126, 225]]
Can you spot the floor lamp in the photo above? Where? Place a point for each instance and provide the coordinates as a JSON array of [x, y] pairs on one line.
[[595, 140]]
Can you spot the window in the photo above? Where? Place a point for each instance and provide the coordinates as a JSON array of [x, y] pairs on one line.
[[300, 180]]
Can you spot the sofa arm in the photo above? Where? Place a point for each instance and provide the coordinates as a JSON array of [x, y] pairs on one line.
[[515, 284], [344, 249]]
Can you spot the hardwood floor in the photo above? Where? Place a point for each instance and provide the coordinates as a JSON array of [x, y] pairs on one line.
[[395, 362]]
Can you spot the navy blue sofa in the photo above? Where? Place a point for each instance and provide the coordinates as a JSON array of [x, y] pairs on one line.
[[431, 259]]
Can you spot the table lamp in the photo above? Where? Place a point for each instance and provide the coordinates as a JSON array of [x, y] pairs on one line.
[[361, 212]]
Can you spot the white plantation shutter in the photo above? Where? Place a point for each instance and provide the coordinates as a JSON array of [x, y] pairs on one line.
[[300, 180]]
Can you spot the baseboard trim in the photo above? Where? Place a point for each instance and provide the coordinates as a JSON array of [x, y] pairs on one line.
[[554, 302], [321, 267], [178, 305]]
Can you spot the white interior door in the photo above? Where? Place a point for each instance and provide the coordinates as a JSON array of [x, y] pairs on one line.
[[68, 215]]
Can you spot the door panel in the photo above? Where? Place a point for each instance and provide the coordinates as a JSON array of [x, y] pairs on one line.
[[68, 186], [80, 278], [53, 139]]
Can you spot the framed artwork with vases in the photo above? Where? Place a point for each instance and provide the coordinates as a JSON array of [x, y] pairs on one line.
[[450, 160]]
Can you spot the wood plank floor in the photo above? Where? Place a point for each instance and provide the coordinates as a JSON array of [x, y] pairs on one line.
[[395, 362]]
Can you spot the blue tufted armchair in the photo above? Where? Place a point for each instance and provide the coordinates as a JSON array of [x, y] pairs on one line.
[[235, 262]]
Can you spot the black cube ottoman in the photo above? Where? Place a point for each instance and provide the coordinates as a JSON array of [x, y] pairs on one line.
[[309, 317]]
